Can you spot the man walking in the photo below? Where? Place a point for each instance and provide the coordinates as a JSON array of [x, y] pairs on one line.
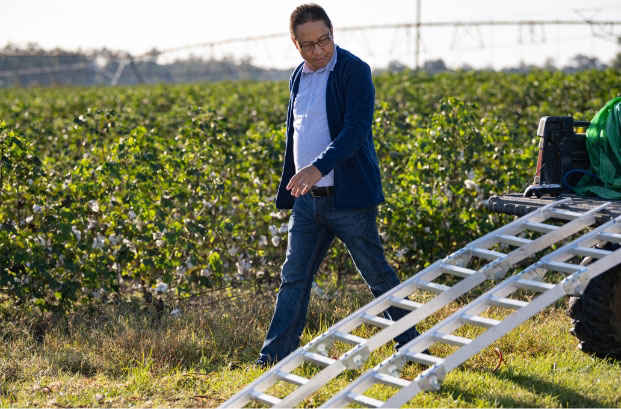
[[330, 178]]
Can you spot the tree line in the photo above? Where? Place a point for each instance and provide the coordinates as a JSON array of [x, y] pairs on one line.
[[33, 66]]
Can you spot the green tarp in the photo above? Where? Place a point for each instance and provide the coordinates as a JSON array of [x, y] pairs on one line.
[[603, 143]]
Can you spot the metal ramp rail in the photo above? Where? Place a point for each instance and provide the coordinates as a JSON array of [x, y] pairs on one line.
[[575, 278], [494, 265]]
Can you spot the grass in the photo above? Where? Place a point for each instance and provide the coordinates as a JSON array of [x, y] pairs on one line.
[[127, 356]]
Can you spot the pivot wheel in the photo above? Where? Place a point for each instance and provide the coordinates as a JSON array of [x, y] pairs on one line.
[[596, 316]]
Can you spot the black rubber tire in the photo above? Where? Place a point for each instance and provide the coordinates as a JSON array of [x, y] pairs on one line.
[[596, 316]]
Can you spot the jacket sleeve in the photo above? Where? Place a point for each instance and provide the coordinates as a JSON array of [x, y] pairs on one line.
[[357, 118]]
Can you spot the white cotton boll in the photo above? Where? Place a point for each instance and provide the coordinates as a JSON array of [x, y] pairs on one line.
[[471, 184], [29, 181], [427, 229], [29, 219], [233, 250], [176, 311], [161, 287], [91, 224], [94, 205], [159, 243], [283, 228], [36, 208], [242, 267], [273, 230], [131, 214], [471, 174], [180, 270], [113, 240], [188, 263], [276, 241], [281, 214], [98, 242], [262, 241], [77, 233]]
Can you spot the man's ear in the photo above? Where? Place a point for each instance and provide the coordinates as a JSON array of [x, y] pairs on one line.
[[295, 43]]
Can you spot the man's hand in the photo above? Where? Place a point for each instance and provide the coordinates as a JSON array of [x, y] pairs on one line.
[[301, 182]]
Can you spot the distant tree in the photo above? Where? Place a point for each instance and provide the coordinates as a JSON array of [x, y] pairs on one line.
[[396, 66], [466, 67], [583, 62], [433, 66], [549, 64], [616, 62]]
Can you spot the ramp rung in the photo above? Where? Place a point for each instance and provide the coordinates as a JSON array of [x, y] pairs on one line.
[[562, 267], [540, 227], [479, 321], [591, 252], [533, 285], [613, 237], [513, 240], [391, 380], [317, 359], [456, 270], [377, 321], [264, 398], [432, 287], [565, 214], [452, 339], [404, 303], [291, 378], [348, 338], [487, 254], [423, 358], [364, 400], [507, 303]]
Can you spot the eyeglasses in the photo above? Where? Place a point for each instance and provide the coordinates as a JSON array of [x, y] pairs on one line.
[[322, 42]]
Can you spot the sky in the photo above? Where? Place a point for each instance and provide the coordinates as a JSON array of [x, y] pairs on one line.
[[137, 26]]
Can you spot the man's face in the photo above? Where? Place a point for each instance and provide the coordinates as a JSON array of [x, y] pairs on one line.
[[307, 38]]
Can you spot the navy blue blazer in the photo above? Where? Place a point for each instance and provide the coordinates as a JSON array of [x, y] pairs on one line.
[[350, 102]]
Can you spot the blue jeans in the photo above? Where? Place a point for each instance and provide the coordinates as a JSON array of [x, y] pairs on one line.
[[312, 227]]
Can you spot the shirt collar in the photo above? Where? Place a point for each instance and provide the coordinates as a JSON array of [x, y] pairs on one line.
[[329, 66]]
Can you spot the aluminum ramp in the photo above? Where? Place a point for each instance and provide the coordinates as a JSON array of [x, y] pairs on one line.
[[553, 223], [552, 277]]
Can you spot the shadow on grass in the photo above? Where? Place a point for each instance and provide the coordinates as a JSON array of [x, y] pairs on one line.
[[565, 397]]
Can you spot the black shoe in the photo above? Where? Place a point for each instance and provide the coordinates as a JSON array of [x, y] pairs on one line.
[[261, 364]]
